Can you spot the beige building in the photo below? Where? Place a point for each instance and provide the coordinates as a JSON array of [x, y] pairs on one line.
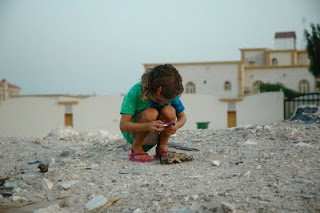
[[231, 81], [8, 90], [234, 79]]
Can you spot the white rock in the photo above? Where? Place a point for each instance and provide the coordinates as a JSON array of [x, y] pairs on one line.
[[68, 184], [138, 210], [18, 199], [301, 144], [247, 174], [52, 162], [267, 128], [96, 202], [47, 184], [294, 133], [215, 163], [249, 142], [194, 197], [248, 126], [259, 127], [17, 190]]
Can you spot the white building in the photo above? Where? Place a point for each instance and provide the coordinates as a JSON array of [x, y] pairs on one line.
[[231, 81], [8, 90]]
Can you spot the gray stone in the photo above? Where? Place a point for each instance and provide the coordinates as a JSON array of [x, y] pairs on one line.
[[96, 202], [68, 184]]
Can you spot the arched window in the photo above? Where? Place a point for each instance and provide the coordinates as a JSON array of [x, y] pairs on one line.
[[274, 61], [304, 86], [255, 87], [227, 86], [190, 88]]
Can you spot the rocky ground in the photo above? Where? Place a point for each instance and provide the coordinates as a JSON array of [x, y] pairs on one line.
[[266, 168]]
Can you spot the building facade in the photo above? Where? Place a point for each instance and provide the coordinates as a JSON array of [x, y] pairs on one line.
[[235, 79], [8, 90]]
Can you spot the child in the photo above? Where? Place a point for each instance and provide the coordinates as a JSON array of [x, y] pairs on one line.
[[147, 107]]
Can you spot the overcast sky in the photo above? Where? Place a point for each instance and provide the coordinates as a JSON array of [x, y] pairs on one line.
[[100, 46]]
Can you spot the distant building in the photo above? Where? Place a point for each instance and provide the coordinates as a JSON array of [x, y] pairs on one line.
[[231, 81], [235, 79], [8, 90]]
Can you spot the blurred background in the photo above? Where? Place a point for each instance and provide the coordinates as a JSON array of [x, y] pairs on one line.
[[69, 63], [100, 46]]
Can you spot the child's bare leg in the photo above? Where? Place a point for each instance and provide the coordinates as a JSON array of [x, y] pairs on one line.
[[147, 115], [167, 114]]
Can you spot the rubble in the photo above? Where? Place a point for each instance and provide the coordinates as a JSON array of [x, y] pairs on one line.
[[255, 168]]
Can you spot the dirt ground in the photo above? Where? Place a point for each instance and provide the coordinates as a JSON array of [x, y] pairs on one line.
[[266, 168]]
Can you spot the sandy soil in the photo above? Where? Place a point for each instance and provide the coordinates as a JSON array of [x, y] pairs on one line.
[[266, 168]]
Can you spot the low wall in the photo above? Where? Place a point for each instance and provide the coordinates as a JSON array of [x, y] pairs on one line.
[[36, 117]]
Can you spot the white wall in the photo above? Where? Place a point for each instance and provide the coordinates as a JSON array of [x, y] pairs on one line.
[[257, 56], [283, 58], [204, 108], [290, 77], [215, 76], [36, 117], [260, 108], [30, 116], [98, 112], [284, 43]]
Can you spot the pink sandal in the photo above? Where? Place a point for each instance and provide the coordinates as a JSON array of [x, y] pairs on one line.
[[132, 157]]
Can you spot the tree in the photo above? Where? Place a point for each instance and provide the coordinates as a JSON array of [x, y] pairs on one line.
[[313, 49], [288, 93]]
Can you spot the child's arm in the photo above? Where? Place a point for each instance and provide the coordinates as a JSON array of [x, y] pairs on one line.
[[181, 120], [126, 125]]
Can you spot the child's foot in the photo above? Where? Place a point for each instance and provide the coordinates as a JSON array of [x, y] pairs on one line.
[[139, 156]]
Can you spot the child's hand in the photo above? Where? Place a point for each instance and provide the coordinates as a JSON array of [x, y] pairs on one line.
[[156, 126], [170, 130]]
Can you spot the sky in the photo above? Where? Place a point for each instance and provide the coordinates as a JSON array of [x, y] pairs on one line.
[[99, 46]]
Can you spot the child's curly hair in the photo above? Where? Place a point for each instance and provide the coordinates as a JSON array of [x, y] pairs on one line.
[[166, 76]]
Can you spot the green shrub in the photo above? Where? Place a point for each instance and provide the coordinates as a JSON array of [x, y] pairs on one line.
[[288, 93]]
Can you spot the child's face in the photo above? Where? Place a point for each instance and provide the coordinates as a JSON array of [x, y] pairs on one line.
[[158, 99]]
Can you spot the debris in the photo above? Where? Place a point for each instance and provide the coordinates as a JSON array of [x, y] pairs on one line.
[[130, 171], [308, 114], [96, 202], [47, 184], [18, 199], [34, 162], [175, 157], [249, 142], [3, 180], [215, 163], [38, 141], [113, 201], [68, 184], [43, 167]]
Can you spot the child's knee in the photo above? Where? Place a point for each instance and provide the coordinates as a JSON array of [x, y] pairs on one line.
[[169, 112], [150, 114]]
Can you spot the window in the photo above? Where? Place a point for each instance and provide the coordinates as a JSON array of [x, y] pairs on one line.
[[274, 61], [256, 86], [190, 88], [304, 86], [227, 86]]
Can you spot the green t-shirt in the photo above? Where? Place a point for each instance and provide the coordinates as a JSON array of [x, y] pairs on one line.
[[133, 104]]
